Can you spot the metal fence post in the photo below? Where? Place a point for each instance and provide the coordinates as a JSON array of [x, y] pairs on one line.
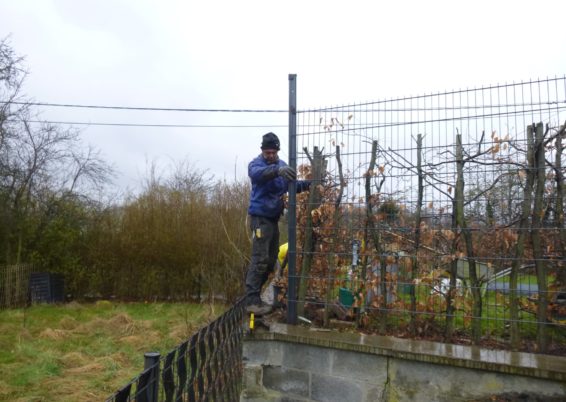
[[292, 213], [151, 360]]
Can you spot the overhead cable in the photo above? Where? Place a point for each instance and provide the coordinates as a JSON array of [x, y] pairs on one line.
[[83, 123], [160, 109]]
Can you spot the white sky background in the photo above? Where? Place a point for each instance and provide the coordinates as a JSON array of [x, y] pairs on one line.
[[238, 54]]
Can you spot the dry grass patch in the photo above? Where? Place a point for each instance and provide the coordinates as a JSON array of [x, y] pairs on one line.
[[73, 306], [89, 369], [79, 363], [68, 323], [78, 381], [55, 334], [124, 325], [67, 390], [4, 390], [141, 342], [122, 320], [74, 359], [119, 325], [24, 335]]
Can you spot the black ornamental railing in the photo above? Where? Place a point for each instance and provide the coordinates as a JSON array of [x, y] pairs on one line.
[[205, 367]]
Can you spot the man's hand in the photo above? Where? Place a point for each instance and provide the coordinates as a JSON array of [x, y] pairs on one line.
[[288, 173]]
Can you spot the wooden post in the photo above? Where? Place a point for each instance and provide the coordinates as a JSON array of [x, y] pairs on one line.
[[415, 261], [537, 224], [318, 166], [467, 234], [520, 245], [375, 237], [331, 255]]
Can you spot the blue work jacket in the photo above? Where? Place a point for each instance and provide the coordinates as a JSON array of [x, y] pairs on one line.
[[268, 188]]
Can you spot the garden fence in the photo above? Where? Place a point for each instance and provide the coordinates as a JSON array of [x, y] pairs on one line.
[[14, 285], [440, 213], [205, 367]]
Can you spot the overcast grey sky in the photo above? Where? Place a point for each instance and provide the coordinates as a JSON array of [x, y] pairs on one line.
[[238, 54]]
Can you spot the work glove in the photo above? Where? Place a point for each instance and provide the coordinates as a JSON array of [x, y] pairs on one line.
[[288, 173]]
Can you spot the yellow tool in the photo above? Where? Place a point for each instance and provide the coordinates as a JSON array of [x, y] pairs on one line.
[[252, 321]]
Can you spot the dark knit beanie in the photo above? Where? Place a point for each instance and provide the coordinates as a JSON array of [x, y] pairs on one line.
[[270, 141]]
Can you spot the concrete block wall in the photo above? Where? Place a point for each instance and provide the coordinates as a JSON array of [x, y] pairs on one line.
[[294, 364]]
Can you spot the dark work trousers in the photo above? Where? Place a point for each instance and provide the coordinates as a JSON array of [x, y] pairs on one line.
[[265, 247]]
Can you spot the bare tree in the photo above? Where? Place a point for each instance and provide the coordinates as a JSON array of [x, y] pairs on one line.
[[318, 169], [466, 162], [39, 163]]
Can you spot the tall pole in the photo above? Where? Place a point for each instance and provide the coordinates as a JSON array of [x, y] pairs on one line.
[[292, 213]]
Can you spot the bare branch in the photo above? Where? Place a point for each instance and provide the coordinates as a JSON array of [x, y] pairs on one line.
[[308, 154], [481, 193]]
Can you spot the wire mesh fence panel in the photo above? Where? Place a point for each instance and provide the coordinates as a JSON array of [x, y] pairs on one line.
[[437, 215], [14, 285]]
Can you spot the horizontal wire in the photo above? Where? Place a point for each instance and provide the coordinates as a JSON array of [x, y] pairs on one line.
[[82, 123], [430, 109], [159, 109]]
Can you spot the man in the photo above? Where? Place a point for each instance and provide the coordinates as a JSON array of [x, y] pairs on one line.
[[270, 178]]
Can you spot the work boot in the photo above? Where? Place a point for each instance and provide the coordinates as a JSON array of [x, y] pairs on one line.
[[259, 309]]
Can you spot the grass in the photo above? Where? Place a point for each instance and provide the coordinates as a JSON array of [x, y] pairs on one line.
[[85, 352]]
